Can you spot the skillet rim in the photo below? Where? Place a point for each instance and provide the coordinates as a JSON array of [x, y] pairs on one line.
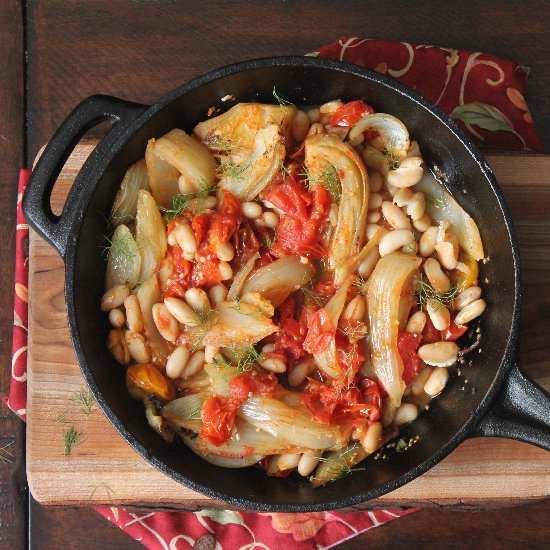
[[105, 156]]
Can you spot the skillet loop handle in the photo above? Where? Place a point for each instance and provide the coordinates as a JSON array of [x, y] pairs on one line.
[[520, 411], [36, 202]]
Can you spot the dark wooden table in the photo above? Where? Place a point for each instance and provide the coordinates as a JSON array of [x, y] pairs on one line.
[[56, 52]]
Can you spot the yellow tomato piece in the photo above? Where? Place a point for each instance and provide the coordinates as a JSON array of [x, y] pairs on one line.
[[464, 280], [150, 380]]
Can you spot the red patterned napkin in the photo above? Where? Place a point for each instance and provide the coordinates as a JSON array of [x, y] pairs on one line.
[[485, 94], [482, 92]]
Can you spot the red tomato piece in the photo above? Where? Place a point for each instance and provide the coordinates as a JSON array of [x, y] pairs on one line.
[[407, 344], [218, 418], [291, 198], [182, 267], [430, 333], [230, 205], [174, 290], [453, 333], [246, 244], [371, 394], [337, 404], [320, 333], [253, 382], [206, 273], [350, 113]]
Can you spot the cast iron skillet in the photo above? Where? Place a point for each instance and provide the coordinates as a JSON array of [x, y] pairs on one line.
[[505, 402]]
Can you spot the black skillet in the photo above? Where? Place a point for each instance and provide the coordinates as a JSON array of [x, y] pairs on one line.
[[500, 399]]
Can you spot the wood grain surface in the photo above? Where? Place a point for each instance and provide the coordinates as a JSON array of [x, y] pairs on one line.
[[13, 493], [140, 49], [104, 469]]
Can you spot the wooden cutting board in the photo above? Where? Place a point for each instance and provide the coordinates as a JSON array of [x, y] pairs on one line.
[[103, 469]]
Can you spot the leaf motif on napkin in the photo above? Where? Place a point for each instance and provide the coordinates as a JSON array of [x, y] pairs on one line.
[[224, 517], [483, 115]]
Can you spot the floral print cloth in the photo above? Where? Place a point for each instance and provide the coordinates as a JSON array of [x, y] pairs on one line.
[[485, 95]]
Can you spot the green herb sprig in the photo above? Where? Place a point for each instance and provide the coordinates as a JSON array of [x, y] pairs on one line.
[[339, 465], [281, 101], [85, 399], [426, 292], [120, 246], [235, 171], [182, 201], [71, 439], [329, 179]]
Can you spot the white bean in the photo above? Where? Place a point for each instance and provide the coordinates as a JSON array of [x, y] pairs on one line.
[[439, 354], [171, 239], [194, 364], [114, 297], [417, 385], [165, 322], [374, 217], [270, 219], [372, 439], [251, 210], [371, 230], [186, 239], [273, 364], [428, 241], [394, 240], [439, 281], [300, 371], [226, 271], [210, 353], [408, 173], [289, 461], [423, 223], [300, 126], [414, 203], [209, 202], [116, 344], [137, 346], [375, 201], [307, 464], [416, 323], [134, 317], [197, 299], [466, 297], [225, 252], [316, 128], [437, 381], [406, 413], [117, 318], [272, 466], [182, 312], [313, 114], [470, 312], [355, 310], [357, 140], [387, 412], [217, 293], [268, 348], [395, 216], [185, 185], [330, 106], [446, 254], [176, 362], [375, 181], [439, 314], [366, 267]]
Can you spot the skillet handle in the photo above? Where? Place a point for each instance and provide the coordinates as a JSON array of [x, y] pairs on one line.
[[36, 202], [520, 411]]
